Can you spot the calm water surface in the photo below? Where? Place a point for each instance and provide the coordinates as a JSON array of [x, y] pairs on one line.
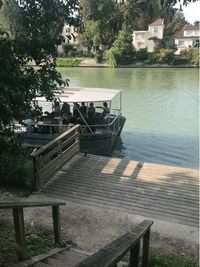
[[161, 108]]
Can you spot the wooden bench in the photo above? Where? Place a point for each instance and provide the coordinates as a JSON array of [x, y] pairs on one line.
[[111, 254], [18, 216]]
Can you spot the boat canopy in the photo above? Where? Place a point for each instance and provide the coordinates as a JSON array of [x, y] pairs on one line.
[[80, 94]]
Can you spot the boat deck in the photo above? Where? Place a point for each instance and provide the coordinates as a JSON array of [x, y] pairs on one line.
[[155, 191]]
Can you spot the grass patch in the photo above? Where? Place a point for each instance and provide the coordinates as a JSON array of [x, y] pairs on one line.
[[68, 62], [162, 259], [38, 240]]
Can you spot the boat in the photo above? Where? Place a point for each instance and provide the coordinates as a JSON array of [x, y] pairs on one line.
[[98, 133]]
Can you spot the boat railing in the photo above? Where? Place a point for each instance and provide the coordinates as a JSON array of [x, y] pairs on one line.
[[110, 123]]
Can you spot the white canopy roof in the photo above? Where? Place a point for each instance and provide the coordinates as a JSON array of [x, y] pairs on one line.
[[79, 94]]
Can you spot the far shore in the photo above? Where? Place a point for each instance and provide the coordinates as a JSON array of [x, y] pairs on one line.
[[91, 63]]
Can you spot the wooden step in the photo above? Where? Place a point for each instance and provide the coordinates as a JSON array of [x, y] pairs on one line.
[[68, 258]]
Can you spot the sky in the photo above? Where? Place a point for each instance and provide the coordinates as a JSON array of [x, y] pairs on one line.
[[191, 11]]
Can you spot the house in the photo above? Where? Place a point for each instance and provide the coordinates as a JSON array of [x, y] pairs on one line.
[[187, 37], [151, 38], [71, 36]]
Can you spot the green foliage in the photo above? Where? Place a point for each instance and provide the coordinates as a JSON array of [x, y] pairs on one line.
[[91, 36], [152, 58], [158, 259], [67, 47], [195, 57], [110, 58], [98, 57], [166, 56], [67, 62], [180, 60], [141, 55], [20, 171], [122, 50], [34, 31], [106, 14], [37, 241]]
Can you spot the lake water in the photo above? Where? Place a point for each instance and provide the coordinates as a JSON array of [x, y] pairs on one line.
[[161, 108]]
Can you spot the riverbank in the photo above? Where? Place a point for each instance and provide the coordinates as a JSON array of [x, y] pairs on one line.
[[90, 62]]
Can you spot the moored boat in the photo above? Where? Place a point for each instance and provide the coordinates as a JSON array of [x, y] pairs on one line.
[[97, 110]]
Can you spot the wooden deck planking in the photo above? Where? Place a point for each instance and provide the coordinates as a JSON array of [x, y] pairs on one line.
[[151, 190]]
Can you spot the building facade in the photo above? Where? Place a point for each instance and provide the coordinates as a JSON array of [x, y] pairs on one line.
[[149, 39], [71, 36], [187, 37]]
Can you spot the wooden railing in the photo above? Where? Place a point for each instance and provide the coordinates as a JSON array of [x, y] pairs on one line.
[[18, 216], [52, 156], [110, 255]]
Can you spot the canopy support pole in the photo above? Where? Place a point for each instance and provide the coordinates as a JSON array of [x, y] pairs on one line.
[[84, 119]]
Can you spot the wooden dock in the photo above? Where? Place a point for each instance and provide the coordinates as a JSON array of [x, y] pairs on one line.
[[156, 191]]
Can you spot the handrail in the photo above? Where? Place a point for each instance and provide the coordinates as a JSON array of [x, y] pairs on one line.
[[18, 217], [111, 254], [52, 156], [8, 205]]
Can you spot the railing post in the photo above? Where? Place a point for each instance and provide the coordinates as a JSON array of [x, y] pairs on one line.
[[145, 256], [134, 255], [77, 137], [56, 224], [18, 217], [36, 184]]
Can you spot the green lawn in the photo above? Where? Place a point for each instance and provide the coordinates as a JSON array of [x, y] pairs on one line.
[[161, 259], [37, 241], [68, 62]]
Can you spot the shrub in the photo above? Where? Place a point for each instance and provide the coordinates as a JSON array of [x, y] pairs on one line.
[[110, 58], [141, 55], [67, 62], [195, 57], [67, 47], [152, 58], [180, 60], [20, 171], [166, 56]]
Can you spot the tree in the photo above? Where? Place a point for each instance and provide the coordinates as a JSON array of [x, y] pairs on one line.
[[32, 35], [92, 37], [122, 51], [105, 14]]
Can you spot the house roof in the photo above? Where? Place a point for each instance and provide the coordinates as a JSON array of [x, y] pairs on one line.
[[190, 27], [157, 22], [180, 34]]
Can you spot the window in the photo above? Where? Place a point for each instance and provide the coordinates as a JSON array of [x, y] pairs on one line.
[[196, 33], [181, 42], [188, 32], [155, 29]]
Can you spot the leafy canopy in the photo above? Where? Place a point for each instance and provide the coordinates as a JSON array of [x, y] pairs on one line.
[[30, 31]]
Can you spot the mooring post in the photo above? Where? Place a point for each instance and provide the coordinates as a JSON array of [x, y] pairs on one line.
[[18, 217]]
